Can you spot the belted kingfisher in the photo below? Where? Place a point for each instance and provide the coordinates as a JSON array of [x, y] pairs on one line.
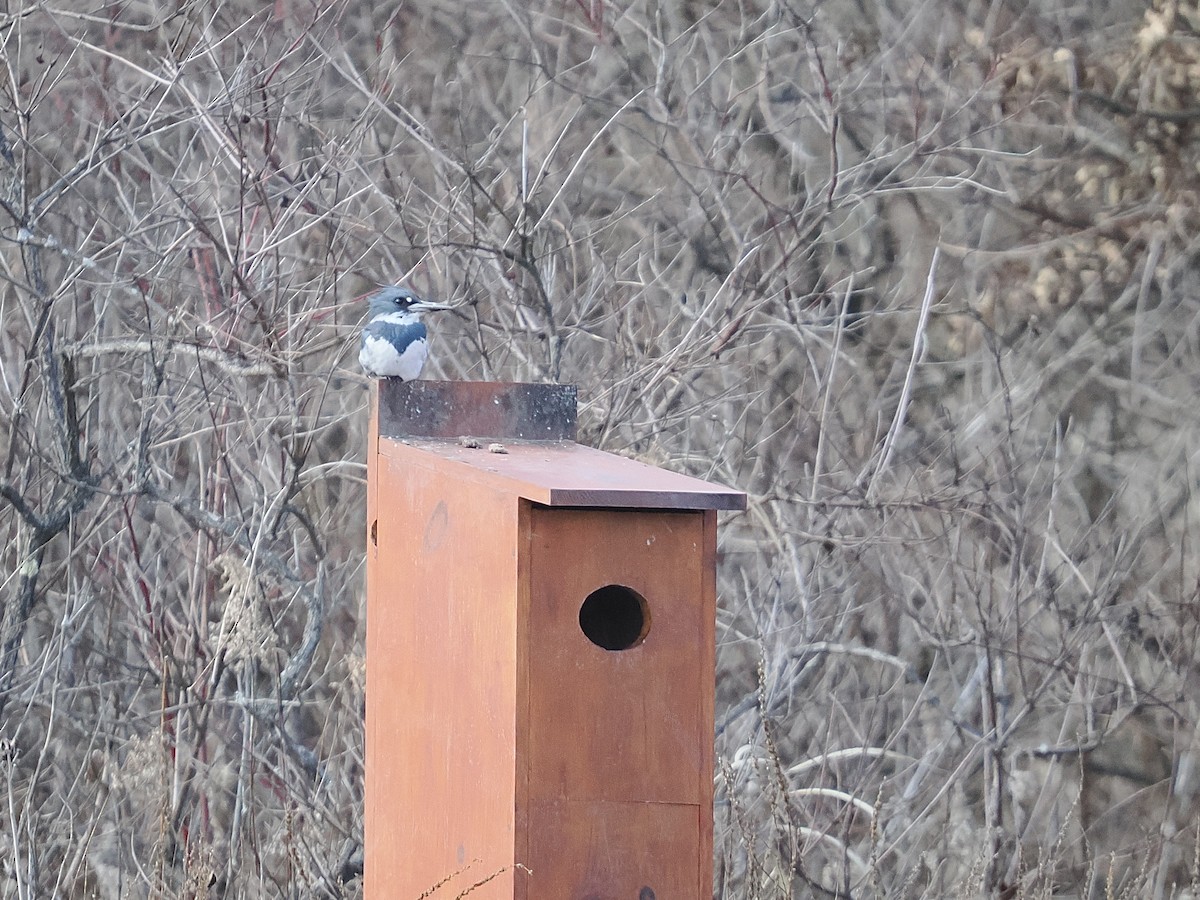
[[394, 343]]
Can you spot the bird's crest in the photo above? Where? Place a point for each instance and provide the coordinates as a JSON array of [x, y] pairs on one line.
[[392, 298]]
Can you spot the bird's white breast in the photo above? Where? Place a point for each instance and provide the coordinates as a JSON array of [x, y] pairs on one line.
[[394, 346]]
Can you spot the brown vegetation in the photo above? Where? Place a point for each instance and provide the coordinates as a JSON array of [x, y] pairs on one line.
[[919, 277]]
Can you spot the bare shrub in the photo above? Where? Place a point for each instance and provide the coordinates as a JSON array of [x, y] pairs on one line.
[[918, 277]]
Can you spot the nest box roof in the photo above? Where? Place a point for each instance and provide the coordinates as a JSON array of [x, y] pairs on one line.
[[519, 438]]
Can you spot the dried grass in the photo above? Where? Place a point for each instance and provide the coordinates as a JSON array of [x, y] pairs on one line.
[[958, 630]]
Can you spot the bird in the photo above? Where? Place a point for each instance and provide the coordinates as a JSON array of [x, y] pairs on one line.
[[394, 342]]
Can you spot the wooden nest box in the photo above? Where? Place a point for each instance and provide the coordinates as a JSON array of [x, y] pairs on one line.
[[540, 655]]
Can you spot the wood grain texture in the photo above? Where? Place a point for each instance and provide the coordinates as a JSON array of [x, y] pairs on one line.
[[567, 474], [620, 742], [441, 687], [501, 741]]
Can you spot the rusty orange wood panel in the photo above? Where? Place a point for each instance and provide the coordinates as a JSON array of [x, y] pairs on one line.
[[561, 473], [618, 781], [601, 850], [503, 746], [441, 687], [618, 725]]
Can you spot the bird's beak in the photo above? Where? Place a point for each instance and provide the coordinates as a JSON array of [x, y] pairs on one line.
[[428, 306]]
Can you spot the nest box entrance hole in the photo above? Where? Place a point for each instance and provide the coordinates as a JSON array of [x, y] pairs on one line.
[[615, 617]]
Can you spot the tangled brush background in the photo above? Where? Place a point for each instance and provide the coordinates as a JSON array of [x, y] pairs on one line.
[[921, 278]]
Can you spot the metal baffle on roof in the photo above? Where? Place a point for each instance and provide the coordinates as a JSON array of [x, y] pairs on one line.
[[539, 460]]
